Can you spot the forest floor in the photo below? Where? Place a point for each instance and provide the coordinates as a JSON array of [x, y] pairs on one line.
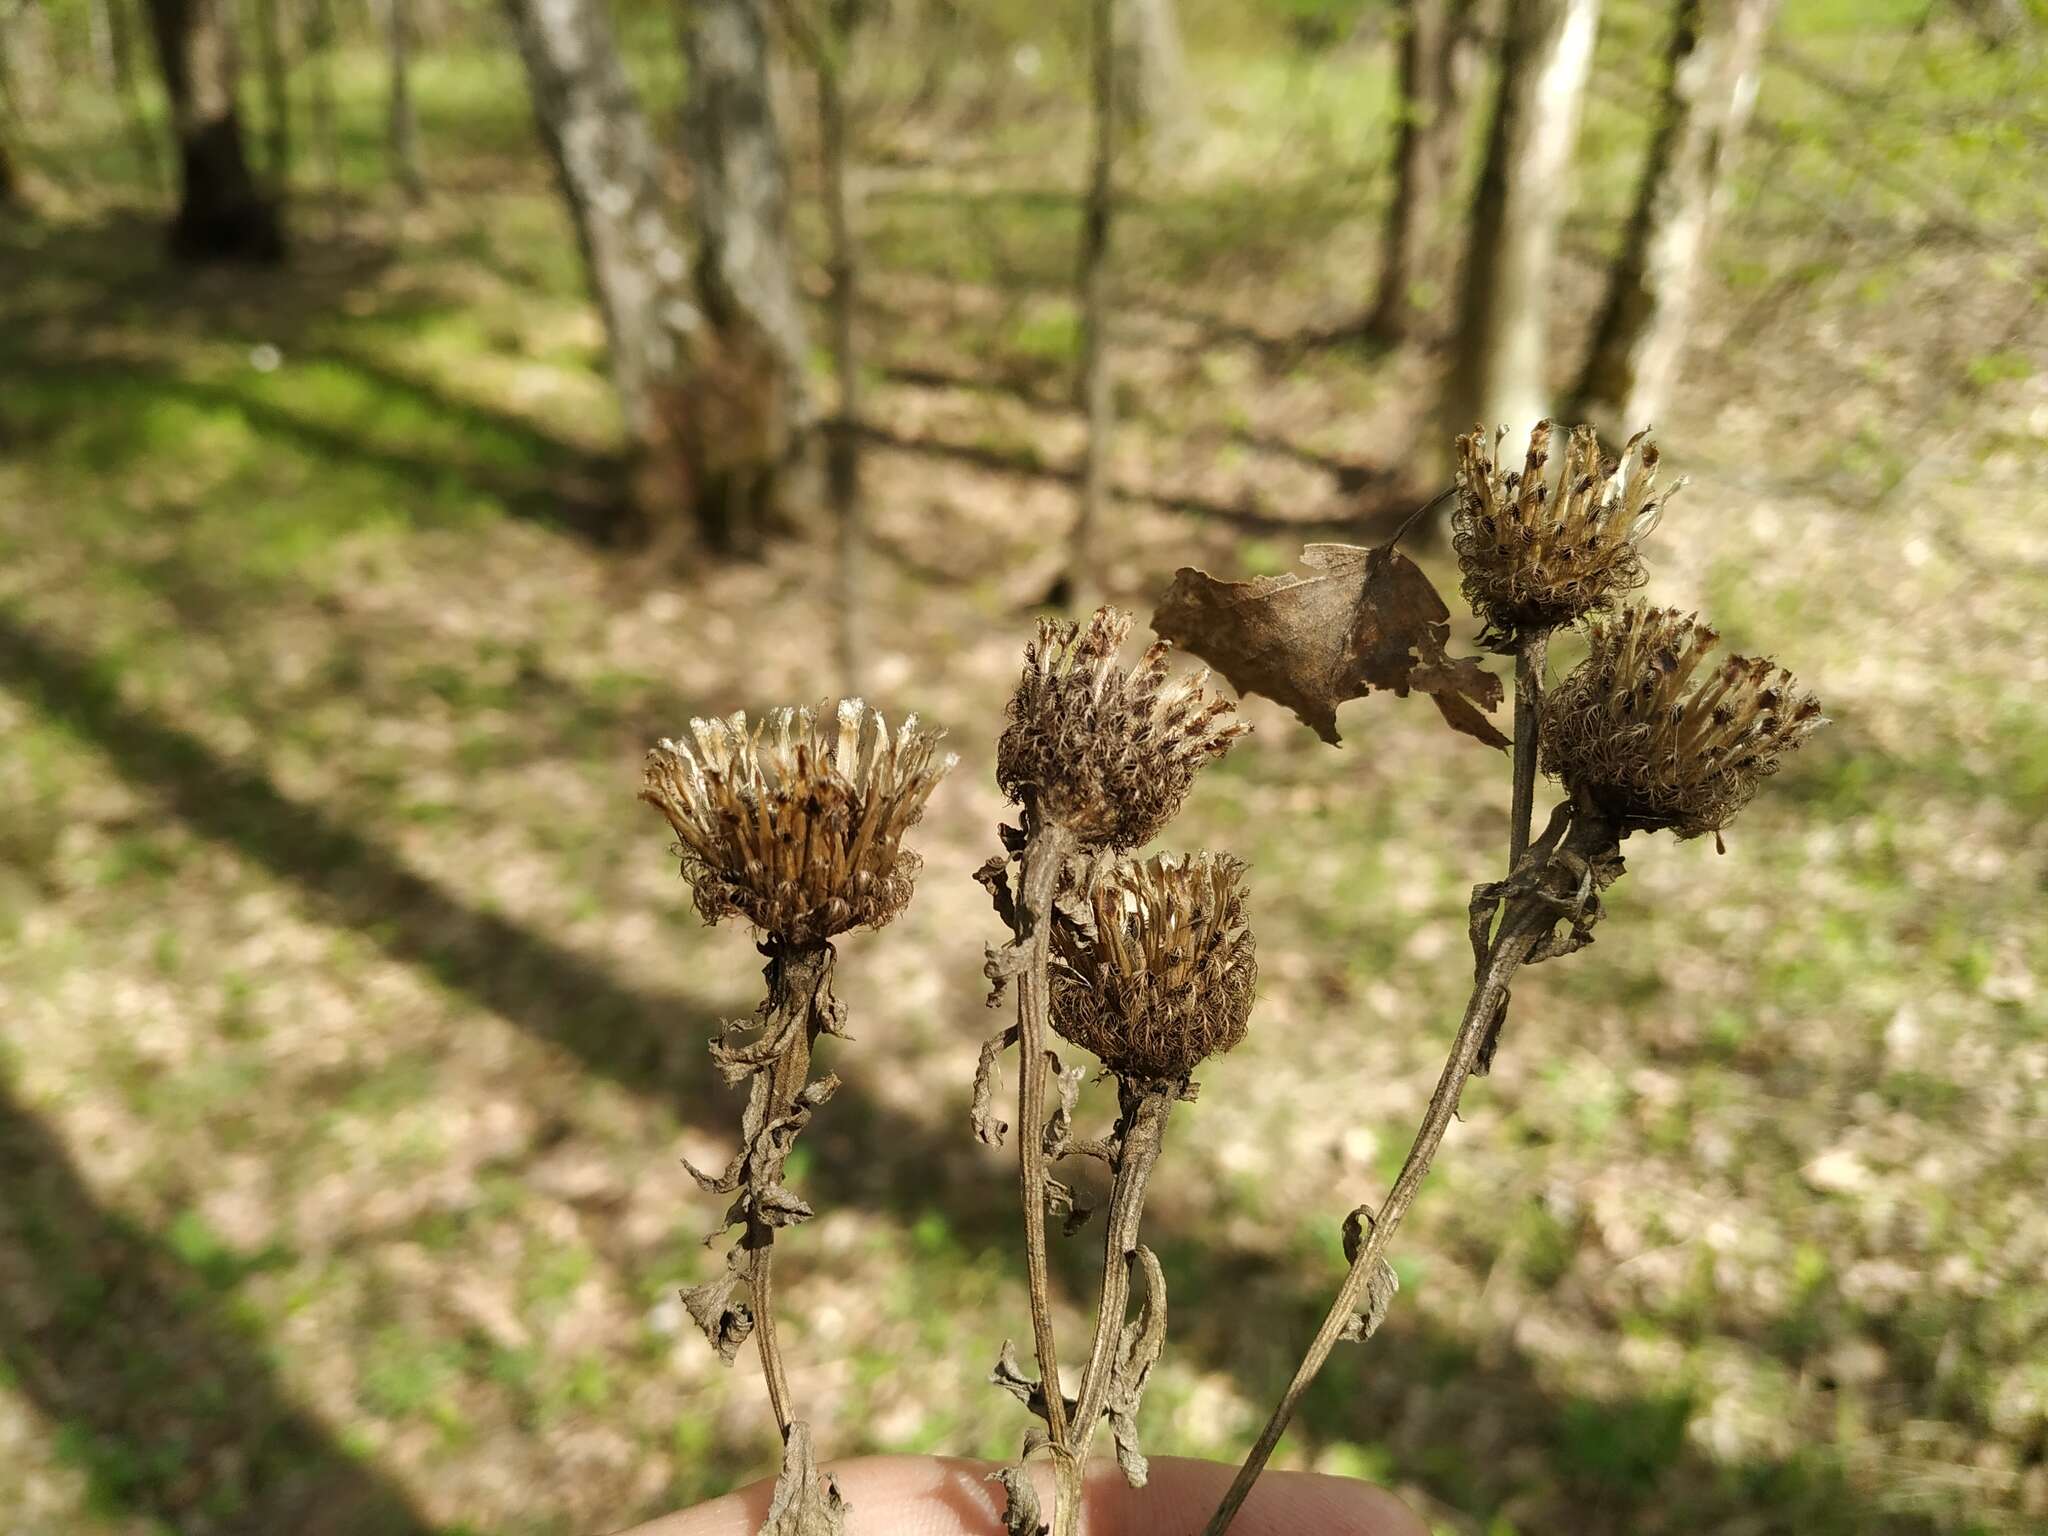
[[355, 1012]]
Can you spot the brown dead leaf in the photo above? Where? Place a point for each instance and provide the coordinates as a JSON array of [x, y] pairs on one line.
[[1368, 618]]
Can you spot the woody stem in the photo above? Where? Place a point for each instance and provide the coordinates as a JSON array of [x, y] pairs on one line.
[[1045, 855], [1530, 655], [796, 975]]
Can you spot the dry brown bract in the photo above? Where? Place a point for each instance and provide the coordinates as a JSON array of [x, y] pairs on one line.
[[1166, 980], [1106, 752], [1654, 743], [1534, 562], [798, 823]]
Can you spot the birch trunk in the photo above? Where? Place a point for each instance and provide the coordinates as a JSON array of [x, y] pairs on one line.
[[1498, 372], [1632, 364], [638, 265], [745, 275], [1152, 72], [222, 216]]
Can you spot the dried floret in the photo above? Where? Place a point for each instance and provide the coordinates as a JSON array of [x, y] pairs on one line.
[[797, 824], [1166, 979], [1534, 560], [1105, 751], [1655, 740]]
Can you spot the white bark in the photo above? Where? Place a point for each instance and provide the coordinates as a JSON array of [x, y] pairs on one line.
[[741, 189], [1633, 362], [1152, 72], [1499, 372], [610, 173]]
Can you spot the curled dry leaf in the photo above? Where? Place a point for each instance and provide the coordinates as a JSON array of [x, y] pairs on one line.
[[1138, 1350], [1379, 1289], [804, 1503], [721, 1307], [1366, 619], [1021, 1516]]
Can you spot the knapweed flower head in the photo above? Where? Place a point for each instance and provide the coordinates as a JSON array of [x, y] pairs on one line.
[[1654, 737], [1535, 559], [797, 823], [1166, 979], [1106, 751]]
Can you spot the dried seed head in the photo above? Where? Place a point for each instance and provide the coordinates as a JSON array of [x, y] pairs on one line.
[[1108, 753], [798, 823], [1654, 740], [1534, 558], [1166, 980]]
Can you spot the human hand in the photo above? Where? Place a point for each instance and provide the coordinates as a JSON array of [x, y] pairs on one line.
[[944, 1496]]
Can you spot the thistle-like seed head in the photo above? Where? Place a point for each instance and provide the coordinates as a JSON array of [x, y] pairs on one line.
[[798, 823], [1653, 740], [1166, 981], [1107, 752], [1535, 560]]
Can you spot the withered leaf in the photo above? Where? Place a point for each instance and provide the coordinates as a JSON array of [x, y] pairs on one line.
[[1139, 1347], [1008, 1374], [726, 1318], [1021, 1516], [1366, 619], [990, 1127], [1380, 1285], [804, 1503]]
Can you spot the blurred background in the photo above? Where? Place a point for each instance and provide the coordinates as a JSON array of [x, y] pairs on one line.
[[410, 409]]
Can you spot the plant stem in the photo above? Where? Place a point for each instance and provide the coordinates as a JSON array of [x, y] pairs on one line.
[[1530, 656], [796, 977], [1521, 924], [1141, 1135], [1045, 856]]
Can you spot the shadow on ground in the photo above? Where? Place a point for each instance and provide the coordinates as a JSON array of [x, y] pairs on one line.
[[151, 1386], [1472, 1423]]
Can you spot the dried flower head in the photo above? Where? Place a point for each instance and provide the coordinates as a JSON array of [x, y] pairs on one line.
[[1653, 740], [798, 823], [1107, 752], [1533, 560], [1166, 980]]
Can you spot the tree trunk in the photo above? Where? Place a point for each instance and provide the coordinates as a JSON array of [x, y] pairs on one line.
[[1498, 372], [1152, 71], [277, 100], [1632, 364], [1083, 580], [402, 132], [141, 138], [323, 32], [1419, 169], [745, 274], [842, 461], [222, 216], [638, 265]]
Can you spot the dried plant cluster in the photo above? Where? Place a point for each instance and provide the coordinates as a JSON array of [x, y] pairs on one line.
[[1164, 979], [1105, 751], [1536, 557], [797, 825], [1639, 730], [1148, 963]]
